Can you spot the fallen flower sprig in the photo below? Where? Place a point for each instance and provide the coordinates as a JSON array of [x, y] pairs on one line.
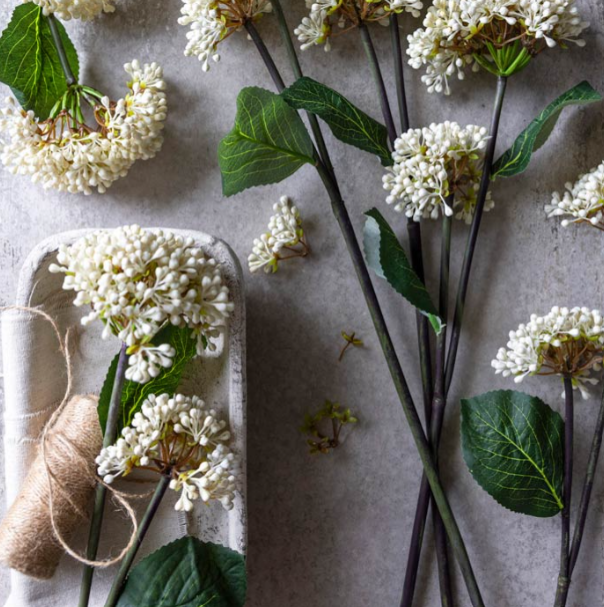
[[351, 341], [284, 240], [319, 441]]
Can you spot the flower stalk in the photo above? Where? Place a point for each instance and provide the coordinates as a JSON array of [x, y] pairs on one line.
[[439, 404], [564, 575], [56, 38], [126, 564], [341, 213], [101, 491]]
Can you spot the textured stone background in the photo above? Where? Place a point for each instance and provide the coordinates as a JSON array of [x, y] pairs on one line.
[[334, 531]]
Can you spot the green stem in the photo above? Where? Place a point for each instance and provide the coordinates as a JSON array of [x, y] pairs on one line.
[[126, 564], [464, 278], [592, 464], [376, 72], [100, 493], [396, 372], [56, 38], [399, 73], [564, 574]]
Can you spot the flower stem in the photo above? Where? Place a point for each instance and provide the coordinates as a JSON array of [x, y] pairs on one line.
[[564, 575], [475, 227], [438, 416], [399, 72], [587, 488], [341, 213], [100, 493], [376, 72], [56, 38], [126, 564]]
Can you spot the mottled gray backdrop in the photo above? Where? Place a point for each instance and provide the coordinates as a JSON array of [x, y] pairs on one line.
[[333, 531]]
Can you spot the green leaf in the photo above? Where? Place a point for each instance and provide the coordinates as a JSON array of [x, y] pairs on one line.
[[518, 157], [513, 445], [386, 257], [29, 62], [167, 381], [268, 143], [187, 573], [349, 124]]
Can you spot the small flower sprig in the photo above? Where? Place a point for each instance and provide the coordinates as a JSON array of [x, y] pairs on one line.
[[330, 18], [582, 202], [437, 170], [319, 442], [566, 342], [85, 10], [178, 437], [212, 21], [66, 153], [136, 282], [502, 36], [351, 341], [284, 240]]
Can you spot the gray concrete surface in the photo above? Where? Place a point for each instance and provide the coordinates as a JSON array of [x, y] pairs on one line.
[[333, 531]]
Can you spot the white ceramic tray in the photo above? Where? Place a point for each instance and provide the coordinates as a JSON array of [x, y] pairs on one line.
[[34, 383]]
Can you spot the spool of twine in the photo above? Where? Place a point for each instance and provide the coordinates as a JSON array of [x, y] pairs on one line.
[[55, 495], [28, 542]]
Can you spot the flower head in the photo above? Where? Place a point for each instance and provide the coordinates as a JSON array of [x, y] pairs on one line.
[[437, 170], [212, 21], [137, 282], [179, 437], [569, 343], [329, 18], [66, 154], [75, 9], [285, 239], [582, 202], [500, 35]]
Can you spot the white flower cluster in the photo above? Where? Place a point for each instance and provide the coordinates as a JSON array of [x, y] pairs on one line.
[[455, 31], [180, 437], [562, 342], [75, 160], [582, 202], [212, 21], [284, 232], [137, 282], [435, 166], [316, 29], [75, 9]]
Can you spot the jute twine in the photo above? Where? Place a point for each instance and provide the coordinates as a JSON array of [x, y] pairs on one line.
[[56, 494]]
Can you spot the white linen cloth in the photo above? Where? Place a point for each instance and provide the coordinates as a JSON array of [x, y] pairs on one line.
[[34, 381]]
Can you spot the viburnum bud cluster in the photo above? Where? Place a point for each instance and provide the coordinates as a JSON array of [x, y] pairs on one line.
[[500, 35], [66, 154], [137, 282], [177, 436], [437, 169], [212, 21], [582, 202], [75, 9], [284, 240], [569, 343], [318, 27]]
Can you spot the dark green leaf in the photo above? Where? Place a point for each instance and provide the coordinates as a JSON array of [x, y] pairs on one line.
[[268, 143], [346, 121], [518, 157], [513, 445], [386, 257], [187, 573], [167, 381], [29, 62]]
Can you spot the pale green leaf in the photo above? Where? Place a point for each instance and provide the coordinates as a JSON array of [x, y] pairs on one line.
[[268, 143]]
